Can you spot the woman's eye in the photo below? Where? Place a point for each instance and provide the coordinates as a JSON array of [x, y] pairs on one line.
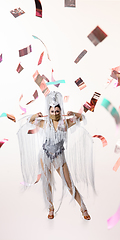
[[52, 111]]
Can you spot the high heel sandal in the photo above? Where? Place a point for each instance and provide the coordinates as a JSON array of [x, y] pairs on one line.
[[85, 214], [84, 211], [51, 213]]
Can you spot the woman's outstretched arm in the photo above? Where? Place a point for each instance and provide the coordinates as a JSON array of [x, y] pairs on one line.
[[33, 117], [77, 115]]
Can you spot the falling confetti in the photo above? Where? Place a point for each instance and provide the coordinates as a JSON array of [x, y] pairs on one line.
[[19, 68], [112, 221], [70, 3], [38, 8], [41, 58], [97, 36], [112, 110], [117, 164], [79, 82], [17, 12], [104, 141], [81, 55], [90, 106], [3, 141], [25, 51], [41, 83]]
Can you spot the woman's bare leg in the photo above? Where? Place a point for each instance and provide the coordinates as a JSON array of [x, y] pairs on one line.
[[69, 184], [51, 207], [77, 194]]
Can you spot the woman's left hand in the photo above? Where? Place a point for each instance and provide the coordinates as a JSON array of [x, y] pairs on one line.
[[70, 113]]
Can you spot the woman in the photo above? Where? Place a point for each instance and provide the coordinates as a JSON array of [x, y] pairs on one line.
[[51, 155]]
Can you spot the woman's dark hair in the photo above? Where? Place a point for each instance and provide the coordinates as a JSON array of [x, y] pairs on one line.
[[56, 106]]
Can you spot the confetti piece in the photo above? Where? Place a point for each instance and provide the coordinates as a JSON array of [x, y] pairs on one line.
[[41, 58], [43, 76], [38, 8], [116, 75], [23, 109], [117, 164], [66, 98], [29, 184], [35, 94], [112, 221], [81, 110], [70, 3], [56, 82], [17, 12], [117, 146], [3, 115], [11, 117], [116, 69], [43, 44], [90, 106], [53, 80], [33, 131], [41, 83], [81, 55], [87, 106], [97, 36], [3, 141], [108, 82], [79, 82], [25, 51], [112, 110], [38, 178], [104, 141], [1, 58], [19, 68]]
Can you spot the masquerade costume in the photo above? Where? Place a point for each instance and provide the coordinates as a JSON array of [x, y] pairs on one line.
[[51, 148]]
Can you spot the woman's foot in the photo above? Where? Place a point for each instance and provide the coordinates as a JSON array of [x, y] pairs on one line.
[[85, 214], [84, 211], [51, 213]]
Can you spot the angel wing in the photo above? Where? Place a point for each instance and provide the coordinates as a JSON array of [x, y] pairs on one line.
[[79, 154], [29, 145]]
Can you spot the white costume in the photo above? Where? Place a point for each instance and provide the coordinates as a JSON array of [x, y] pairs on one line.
[[55, 147]]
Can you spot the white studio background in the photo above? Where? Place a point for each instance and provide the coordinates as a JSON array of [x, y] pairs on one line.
[[64, 31]]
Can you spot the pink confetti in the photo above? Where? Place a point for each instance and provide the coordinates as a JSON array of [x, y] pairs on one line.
[[3, 141], [116, 68], [19, 68], [41, 83], [112, 221], [66, 98], [35, 95], [1, 58], [53, 80], [23, 109], [104, 141], [33, 131], [41, 58], [38, 178], [29, 184], [117, 164], [81, 110]]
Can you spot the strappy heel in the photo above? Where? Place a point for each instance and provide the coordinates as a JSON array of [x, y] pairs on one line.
[[85, 214], [84, 211], [51, 213]]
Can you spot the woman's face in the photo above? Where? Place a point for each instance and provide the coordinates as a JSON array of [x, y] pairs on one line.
[[55, 111]]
